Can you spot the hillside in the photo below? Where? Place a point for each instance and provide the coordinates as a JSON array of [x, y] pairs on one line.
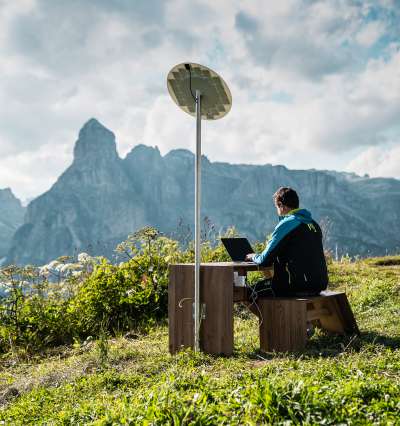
[[133, 379]]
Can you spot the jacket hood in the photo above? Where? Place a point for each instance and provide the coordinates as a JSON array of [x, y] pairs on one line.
[[303, 215]]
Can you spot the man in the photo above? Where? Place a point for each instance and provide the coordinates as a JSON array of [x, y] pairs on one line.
[[295, 250]]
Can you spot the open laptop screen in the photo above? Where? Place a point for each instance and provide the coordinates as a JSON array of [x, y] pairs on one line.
[[237, 248]]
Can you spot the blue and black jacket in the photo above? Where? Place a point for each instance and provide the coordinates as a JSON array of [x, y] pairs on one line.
[[295, 249]]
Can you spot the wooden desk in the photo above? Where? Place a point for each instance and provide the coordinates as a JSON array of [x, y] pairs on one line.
[[217, 296]]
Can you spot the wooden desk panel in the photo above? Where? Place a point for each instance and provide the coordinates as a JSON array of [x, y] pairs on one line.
[[216, 294], [180, 307]]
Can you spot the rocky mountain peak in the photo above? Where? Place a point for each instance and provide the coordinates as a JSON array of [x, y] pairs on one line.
[[6, 194], [7, 198], [95, 142], [143, 153], [180, 153]]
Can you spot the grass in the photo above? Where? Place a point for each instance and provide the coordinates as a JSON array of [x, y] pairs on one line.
[[337, 380]]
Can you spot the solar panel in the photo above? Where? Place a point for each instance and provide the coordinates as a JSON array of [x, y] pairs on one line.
[[216, 98]]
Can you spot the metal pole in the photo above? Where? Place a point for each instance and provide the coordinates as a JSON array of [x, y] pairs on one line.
[[197, 253]]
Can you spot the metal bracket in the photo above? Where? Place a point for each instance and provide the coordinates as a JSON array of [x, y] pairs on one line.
[[180, 304], [202, 311]]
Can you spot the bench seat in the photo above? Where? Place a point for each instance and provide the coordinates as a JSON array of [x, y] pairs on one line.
[[283, 321]]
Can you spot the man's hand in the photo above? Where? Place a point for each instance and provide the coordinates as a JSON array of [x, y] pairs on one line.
[[249, 257]]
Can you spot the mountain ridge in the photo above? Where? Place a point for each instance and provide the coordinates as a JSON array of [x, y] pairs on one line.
[[101, 198]]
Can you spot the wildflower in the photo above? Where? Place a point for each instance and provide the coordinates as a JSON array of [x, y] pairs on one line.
[[44, 270], [53, 265], [84, 258], [64, 269]]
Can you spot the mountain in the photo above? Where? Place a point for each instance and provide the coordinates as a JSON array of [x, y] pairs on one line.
[[11, 217], [101, 198]]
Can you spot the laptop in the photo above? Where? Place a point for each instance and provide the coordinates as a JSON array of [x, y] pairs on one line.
[[237, 248]]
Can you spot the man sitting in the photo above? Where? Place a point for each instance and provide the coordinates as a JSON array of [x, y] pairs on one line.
[[295, 250]]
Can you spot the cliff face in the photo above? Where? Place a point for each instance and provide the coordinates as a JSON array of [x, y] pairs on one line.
[[100, 199], [90, 207], [11, 217]]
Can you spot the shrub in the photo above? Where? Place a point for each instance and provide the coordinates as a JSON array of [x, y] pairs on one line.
[[31, 316], [131, 294], [63, 300]]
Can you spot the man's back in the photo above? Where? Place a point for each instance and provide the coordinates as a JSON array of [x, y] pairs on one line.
[[300, 262], [297, 254]]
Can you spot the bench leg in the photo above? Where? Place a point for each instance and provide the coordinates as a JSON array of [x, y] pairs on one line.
[[340, 318], [283, 325]]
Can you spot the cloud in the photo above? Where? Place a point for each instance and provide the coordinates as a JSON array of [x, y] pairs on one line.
[[311, 80], [377, 162], [36, 171], [307, 38], [370, 33]]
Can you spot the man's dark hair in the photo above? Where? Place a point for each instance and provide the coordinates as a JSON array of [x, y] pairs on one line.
[[286, 196]]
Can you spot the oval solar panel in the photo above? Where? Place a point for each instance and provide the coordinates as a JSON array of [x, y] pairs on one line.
[[184, 79]]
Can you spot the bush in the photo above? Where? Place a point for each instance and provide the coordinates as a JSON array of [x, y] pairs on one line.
[[65, 300], [30, 316], [120, 297]]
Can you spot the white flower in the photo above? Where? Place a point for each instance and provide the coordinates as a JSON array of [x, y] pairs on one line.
[[66, 268], [53, 265], [44, 270], [84, 258]]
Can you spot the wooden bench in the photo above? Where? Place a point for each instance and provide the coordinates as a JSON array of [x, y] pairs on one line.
[[283, 321]]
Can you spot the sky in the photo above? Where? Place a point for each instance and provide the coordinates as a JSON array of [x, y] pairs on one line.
[[315, 84]]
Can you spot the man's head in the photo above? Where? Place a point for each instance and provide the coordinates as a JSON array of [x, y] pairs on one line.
[[285, 200]]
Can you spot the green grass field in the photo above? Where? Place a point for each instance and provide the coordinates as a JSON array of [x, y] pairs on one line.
[[337, 380]]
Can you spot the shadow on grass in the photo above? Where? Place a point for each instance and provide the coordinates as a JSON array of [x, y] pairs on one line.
[[326, 346]]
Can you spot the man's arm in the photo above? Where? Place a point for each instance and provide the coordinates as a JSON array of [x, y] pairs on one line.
[[274, 244]]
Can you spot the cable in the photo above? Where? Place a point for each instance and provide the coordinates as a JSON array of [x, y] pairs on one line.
[[187, 66], [254, 296], [202, 314]]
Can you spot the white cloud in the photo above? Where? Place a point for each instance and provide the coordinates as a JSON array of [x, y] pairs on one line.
[[304, 88], [370, 33], [377, 162], [31, 173]]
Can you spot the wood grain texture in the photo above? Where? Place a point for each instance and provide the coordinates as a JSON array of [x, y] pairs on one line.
[[216, 331], [283, 325], [340, 319], [216, 294], [240, 294], [283, 321], [180, 307]]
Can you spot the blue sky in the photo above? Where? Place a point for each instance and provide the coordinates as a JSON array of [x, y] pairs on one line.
[[315, 84]]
